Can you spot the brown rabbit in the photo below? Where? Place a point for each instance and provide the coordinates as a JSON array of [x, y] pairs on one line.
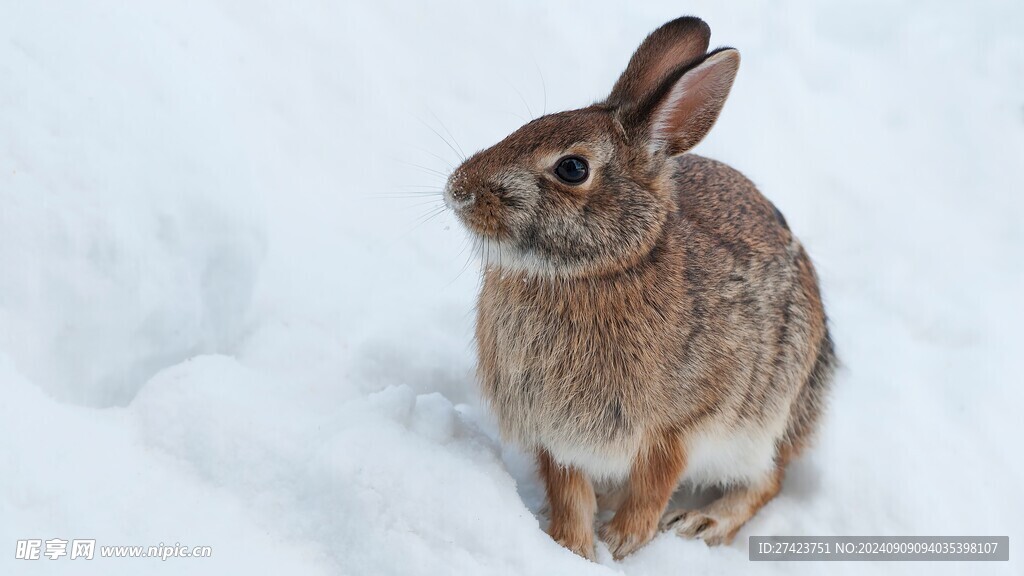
[[646, 315]]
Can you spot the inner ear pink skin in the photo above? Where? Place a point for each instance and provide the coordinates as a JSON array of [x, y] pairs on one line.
[[693, 104]]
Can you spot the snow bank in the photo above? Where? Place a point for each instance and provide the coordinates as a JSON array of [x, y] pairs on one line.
[[229, 316]]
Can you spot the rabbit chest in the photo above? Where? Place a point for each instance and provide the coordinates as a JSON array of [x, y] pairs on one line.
[[577, 368]]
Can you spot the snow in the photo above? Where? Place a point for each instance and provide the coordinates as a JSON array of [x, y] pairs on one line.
[[228, 316]]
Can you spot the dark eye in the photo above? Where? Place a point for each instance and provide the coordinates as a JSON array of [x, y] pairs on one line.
[[572, 169]]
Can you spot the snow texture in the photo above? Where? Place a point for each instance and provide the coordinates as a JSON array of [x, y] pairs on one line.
[[228, 318]]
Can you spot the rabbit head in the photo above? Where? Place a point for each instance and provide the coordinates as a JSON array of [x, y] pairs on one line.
[[587, 191]]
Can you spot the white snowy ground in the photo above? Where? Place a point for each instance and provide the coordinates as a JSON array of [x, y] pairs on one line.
[[223, 323]]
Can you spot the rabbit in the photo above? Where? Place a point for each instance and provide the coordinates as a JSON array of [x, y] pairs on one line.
[[646, 316]]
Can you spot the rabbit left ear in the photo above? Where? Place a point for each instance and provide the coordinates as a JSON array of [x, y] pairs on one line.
[[685, 113], [676, 44]]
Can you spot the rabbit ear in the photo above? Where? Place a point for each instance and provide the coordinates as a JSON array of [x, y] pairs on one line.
[[685, 112], [677, 44]]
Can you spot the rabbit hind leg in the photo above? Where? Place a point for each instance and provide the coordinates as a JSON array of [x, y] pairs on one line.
[[718, 522]]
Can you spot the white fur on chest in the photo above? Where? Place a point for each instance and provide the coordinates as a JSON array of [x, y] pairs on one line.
[[599, 463], [729, 456]]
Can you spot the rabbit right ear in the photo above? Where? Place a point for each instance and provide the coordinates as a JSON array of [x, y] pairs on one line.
[[675, 45]]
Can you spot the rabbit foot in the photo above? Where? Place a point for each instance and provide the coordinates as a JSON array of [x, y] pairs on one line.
[[626, 534], [718, 522], [713, 530], [579, 543]]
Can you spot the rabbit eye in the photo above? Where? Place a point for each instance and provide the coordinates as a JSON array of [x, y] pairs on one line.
[[572, 170]]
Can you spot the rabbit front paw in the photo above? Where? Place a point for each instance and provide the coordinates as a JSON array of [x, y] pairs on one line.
[[627, 533]]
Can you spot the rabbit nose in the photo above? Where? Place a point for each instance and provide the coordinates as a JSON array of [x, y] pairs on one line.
[[458, 197]]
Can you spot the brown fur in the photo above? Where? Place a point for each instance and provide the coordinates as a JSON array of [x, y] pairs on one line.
[[677, 43], [661, 302], [571, 505], [653, 478]]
